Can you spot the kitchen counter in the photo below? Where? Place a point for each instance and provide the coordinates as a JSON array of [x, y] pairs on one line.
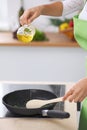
[[42, 123], [55, 39]]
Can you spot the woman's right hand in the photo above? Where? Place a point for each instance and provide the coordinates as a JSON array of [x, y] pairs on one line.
[[53, 9], [31, 14]]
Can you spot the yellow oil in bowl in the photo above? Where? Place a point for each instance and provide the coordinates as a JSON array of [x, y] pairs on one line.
[[25, 38], [26, 33]]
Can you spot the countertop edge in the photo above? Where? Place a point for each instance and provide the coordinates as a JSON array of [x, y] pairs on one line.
[[55, 40]]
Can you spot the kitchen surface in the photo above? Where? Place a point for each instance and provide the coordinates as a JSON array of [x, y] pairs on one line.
[[55, 40], [36, 123]]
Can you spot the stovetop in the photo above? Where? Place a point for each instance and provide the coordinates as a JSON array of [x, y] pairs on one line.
[[58, 90]]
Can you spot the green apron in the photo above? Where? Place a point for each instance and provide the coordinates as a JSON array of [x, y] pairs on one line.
[[80, 31], [83, 116]]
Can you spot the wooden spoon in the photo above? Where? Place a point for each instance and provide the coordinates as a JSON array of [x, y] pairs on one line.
[[37, 103]]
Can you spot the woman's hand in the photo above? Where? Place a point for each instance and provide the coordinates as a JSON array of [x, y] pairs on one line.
[[78, 91], [30, 14], [53, 9]]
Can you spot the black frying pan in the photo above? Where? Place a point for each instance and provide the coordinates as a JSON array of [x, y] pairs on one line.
[[16, 103]]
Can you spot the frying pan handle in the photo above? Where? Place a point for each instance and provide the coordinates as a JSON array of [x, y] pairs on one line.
[[55, 114]]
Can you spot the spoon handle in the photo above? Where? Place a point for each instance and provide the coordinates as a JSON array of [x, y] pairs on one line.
[[59, 99]]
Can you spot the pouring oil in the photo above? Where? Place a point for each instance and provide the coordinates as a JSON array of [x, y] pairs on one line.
[[26, 33]]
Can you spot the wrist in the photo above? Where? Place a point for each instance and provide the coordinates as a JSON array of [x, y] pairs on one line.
[[54, 9], [43, 9]]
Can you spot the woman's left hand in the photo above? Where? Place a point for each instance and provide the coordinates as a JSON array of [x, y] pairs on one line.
[[78, 91]]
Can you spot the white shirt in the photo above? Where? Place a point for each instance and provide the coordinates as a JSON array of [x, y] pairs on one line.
[[70, 6]]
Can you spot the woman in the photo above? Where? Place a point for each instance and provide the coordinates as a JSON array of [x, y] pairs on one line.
[[78, 91]]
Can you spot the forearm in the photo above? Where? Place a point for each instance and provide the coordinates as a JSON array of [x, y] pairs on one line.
[[62, 8], [54, 9]]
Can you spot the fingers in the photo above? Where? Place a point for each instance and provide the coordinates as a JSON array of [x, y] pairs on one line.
[[78, 92], [32, 18], [70, 92], [73, 95], [26, 17], [29, 15], [27, 20], [23, 20], [80, 96]]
